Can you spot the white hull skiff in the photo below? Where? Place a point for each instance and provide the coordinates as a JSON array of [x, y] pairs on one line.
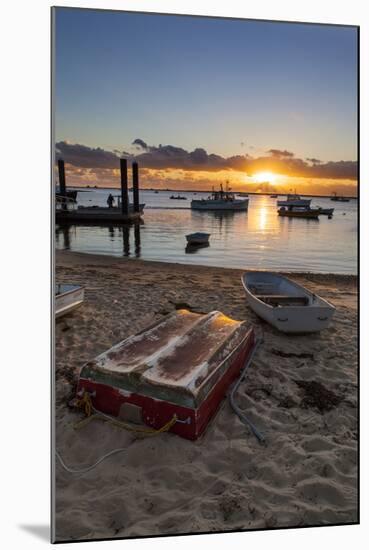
[[287, 306], [67, 298]]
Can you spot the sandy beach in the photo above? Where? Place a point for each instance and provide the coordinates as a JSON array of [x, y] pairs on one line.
[[300, 391]]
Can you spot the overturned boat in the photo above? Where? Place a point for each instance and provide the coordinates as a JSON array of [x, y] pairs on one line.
[[178, 370], [286, 305]]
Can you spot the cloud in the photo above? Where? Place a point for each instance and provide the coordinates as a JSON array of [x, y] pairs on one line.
[[169, 157], [140, 143], [278, 153], [314, 161], [84, 156]]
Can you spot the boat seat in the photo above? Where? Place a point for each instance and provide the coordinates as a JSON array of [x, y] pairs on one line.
[[283, 299]]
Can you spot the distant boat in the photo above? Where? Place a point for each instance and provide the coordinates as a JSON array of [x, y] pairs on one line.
[[273, 196], [287, 306], [67, 298], [178, 198], [299, 212], [337, 198], [220, 200], [198, 238], [156, 191], [294, 200]]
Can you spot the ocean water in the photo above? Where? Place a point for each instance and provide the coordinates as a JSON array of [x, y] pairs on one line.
[[257, 239]]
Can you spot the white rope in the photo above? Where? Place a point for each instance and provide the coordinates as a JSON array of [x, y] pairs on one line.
[[88, 468], [241, 415]]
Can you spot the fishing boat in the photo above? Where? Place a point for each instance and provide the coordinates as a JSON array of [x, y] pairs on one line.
[[178, 198], [221, 200], [337, 198], [67, 298], [294, 200], [175, 372], [299, 212], [198, 238], [286, 305]]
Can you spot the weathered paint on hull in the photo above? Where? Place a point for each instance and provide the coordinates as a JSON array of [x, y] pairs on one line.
[[173, 385], [157, 412]]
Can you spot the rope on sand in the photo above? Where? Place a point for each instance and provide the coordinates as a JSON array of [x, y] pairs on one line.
[[241, 415], [86, 404]]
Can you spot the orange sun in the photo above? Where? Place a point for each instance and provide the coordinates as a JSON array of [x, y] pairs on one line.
[[262, 177]]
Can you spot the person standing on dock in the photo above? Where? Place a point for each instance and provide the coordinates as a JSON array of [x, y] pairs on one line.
[[110, 200]]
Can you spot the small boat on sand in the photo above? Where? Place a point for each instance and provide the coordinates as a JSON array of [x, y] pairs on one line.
[[67, 298], [198, 238], [286, 305], [299, 212]]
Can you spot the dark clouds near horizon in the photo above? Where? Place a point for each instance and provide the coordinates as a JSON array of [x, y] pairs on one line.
[[165, 157]]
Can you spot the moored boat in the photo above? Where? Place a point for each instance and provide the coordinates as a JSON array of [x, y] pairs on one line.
[[67, 298], [326, 211], [178, 198], [284, 304], [337, 198], [198, 238], [71, 195], [294, 200], [221, 200], [298, 212]]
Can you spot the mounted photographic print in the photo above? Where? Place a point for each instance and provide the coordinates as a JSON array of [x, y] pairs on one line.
[[204, 196]]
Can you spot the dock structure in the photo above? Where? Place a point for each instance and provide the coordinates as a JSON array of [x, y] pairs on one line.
[[124, 212]]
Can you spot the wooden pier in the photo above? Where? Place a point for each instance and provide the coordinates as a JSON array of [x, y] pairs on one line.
[[124, 212]]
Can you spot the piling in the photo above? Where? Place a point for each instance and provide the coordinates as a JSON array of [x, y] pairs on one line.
[[136, 195], [124, 186], [62, 187]]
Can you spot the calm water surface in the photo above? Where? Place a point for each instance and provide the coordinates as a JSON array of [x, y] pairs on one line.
[[258, 238]]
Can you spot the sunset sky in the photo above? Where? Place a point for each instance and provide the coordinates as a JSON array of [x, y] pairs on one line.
[[200, 101]]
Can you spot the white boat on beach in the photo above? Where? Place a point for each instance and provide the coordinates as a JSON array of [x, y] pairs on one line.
[[198, 238], [67, 298], [294, 200], [221, 200], [286, 305]]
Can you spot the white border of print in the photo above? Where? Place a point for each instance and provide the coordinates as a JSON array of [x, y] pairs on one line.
[[25, 146]]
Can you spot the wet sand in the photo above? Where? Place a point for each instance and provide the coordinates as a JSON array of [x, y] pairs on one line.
[[300, 391]]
